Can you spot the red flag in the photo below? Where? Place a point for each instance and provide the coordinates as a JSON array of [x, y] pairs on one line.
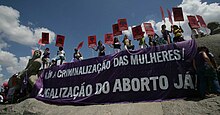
[[137, 32], [122, 24], [116, 30], [170, 16], [109, 38], [80, 45], [60, 41], [193, 22], [92, 41], [45, 38], [162, 13], [40, 42], [201, 21], [178, 14], [32, 52], [149, 29]]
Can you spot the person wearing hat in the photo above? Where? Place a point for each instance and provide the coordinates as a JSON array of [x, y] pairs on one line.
[[177, 31]]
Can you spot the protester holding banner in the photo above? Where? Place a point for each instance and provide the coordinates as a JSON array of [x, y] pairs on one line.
[[60, 55], [206, 72], [101, 48], [177, 31], [116, 45], [46, 58], [77, 55], [166, 34]]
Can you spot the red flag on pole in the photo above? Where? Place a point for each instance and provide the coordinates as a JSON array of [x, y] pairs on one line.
[[109, 38], [60, 41], [170, 16], [40, 42], [178, 14], [80, 45], [92, 41], [201, 21], [162, 13], [193, 22], [116, 30], [149, 29], [122, 24], [45, 38], [137, 32]]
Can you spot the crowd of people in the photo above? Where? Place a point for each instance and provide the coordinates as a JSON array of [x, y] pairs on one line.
[[153, 39], [203, 64]]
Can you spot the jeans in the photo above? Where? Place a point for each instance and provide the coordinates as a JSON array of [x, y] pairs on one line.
[[207, 75]]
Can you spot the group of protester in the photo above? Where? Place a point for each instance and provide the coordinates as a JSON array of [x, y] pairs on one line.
[[203, 63], [154, 40], [46, 58]]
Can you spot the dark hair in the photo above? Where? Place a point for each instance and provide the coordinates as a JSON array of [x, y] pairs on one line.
[[116, 40], [202, 48], [175, 26], [60, 48], [99, 42], [163, 26], [75, 49]]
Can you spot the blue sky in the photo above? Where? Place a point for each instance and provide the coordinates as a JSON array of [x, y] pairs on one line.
[[76, 20]]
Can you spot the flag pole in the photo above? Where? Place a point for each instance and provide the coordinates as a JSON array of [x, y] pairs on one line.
[[92, 53], [39, 47], [206, 30]]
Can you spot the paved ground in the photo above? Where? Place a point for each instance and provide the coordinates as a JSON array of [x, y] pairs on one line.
[[209, 106]]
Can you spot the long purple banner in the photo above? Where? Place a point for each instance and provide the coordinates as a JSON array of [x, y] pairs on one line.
[[151, 74]]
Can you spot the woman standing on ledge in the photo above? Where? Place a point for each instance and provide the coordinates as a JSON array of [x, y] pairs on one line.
[[101, 48]]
